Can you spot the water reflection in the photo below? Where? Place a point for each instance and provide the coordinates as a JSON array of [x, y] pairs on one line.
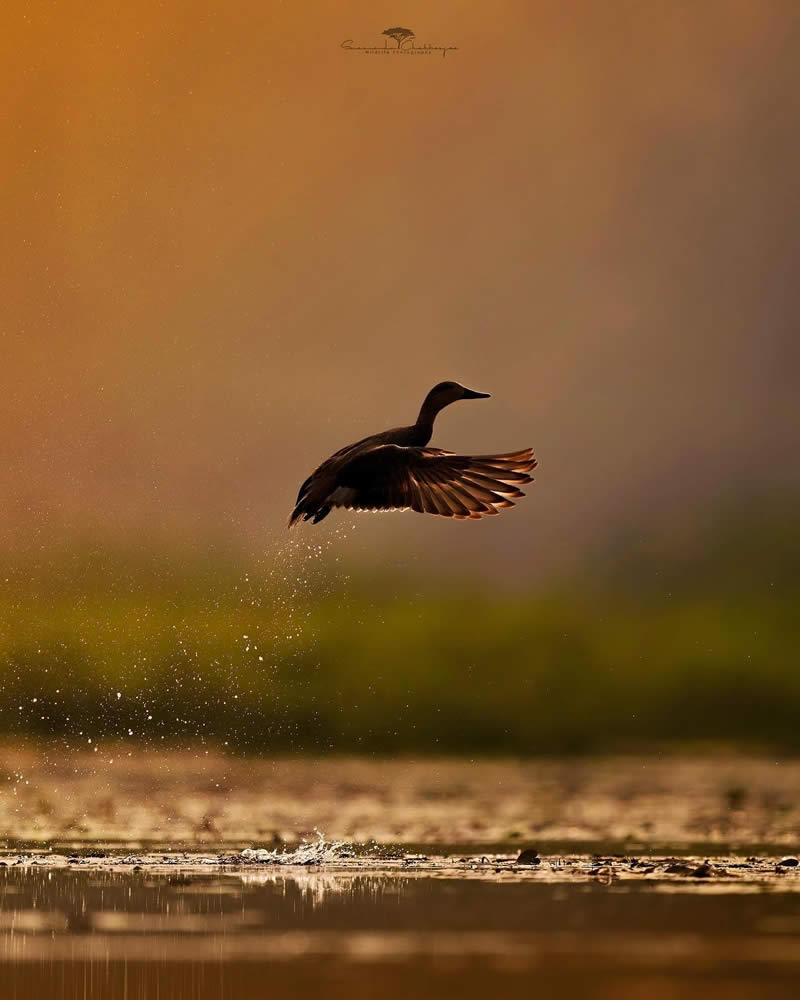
[[186, 934]]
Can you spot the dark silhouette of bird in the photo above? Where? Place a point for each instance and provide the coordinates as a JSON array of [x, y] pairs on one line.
[[395, 470]]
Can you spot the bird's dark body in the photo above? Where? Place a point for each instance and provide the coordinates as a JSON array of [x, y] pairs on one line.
[[395, 470], [405, 436]]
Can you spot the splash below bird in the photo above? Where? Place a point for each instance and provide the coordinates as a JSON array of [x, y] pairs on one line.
[[394, 470]]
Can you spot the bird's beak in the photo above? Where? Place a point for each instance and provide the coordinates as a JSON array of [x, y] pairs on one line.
[[471, 394]]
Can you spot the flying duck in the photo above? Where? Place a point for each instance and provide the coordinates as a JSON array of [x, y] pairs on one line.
[[395, 470]]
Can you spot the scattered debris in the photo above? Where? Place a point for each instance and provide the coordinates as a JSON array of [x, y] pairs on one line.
[[680, 868]]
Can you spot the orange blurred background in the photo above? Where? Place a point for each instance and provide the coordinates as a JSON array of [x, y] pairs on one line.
[[231, 246]]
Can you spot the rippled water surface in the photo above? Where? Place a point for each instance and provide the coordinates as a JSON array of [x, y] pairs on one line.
[[411, 927], [177, 876]]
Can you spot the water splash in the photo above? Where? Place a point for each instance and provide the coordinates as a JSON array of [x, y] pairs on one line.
[[310, 852]]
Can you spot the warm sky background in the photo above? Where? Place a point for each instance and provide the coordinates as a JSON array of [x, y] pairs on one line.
[[230, 247]]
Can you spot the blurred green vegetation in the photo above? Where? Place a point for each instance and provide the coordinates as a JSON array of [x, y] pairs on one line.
[[659, 643]]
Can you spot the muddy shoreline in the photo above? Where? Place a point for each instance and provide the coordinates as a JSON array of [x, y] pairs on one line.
[[779, 873]]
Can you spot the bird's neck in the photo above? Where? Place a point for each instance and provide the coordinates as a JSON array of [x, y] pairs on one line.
[[427, 415], [422, 432]]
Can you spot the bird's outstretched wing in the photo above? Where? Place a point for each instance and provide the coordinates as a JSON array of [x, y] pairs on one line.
[[431, 481]]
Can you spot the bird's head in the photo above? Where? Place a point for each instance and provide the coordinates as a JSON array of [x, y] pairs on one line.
[[446, 393]]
